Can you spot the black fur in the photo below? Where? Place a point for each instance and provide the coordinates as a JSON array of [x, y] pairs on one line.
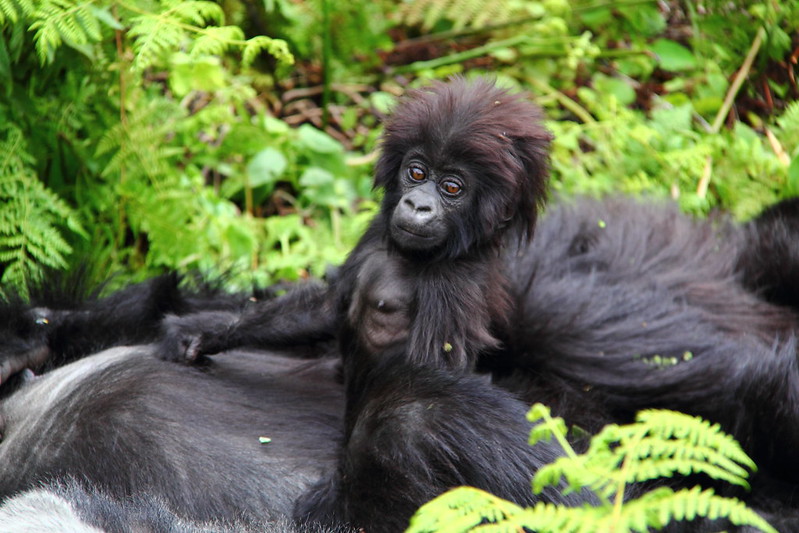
[[69, 320], [769, 258], [462, 164], [128, 424], [595, 305], [74, 507], [438, 298], [135, 427], [624, 305]]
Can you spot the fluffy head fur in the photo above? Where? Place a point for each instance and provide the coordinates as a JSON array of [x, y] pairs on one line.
[[496, 136]]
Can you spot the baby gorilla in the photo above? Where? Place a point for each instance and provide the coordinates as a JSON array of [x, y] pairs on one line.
[[464, 169]]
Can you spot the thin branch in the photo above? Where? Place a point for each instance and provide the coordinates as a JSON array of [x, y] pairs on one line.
[[743, 72], [563, 100], [704, 181], [487, 48]]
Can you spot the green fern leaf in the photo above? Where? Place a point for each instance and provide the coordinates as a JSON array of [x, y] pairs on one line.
[[153, 37], [32, 219], [659, 444], [15, 10], [62, 21], [277, 48], [460, 13], [137, 148], [662, 506], [198, 13], [462, 509], [216, 40], [695, 430]]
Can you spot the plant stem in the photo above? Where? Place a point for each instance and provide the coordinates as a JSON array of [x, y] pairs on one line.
[[486, 49], [743, 72], [123, 120], [618, 3], [567, 448], [326, 54], [564, 100], [704, 182], [461, 56]]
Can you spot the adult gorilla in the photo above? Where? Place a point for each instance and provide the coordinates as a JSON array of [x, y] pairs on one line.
[[130, 425]]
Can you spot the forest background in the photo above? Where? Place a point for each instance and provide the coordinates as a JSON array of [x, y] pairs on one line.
[[238, 137]]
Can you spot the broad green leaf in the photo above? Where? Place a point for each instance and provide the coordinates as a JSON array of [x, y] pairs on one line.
[[673, 56], [316, 177], [189, 74], [240, 239], [266, 167], [318, 141], [382, 101], [618, 88]]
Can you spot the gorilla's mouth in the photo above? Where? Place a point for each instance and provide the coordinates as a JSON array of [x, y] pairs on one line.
[[415, 232]]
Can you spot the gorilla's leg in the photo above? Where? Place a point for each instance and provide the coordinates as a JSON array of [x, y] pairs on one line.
[[420, 432]]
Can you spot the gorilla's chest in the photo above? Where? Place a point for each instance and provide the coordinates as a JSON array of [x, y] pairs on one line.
[[383, 300]]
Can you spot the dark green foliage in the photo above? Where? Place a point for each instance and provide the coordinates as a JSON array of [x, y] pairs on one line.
[[33, 220], [148, 124], [118, 118]]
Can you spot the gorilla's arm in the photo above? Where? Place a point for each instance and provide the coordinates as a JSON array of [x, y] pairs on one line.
[[55, 329], [302, 317]]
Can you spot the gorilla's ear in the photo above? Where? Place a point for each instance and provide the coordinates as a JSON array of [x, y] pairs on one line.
[[388, 163], [532, 151]]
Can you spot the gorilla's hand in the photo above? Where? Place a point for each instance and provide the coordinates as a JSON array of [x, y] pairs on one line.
[[25, 340], [185, 339]]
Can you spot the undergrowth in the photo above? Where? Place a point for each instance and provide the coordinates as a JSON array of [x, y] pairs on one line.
[[238, 137]]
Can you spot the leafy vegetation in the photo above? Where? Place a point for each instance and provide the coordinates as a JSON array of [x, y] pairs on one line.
[[660, 444], [238, 136]]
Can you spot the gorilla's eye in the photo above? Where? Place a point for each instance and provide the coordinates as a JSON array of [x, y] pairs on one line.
[[452, 188], [416, 174]]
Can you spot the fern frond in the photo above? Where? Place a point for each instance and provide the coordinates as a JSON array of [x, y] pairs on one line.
[[63, 21], [702, 435], [198, 12], [15, 10], [277, 48], [470, 509], [196, 26], [153, 36], [157, 33], [662, 506], [137, 147], [30, 218], [548, 426], [596, 473], [216, 40], [659, 444], [462, 509], [789, 128], [461, 13]]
